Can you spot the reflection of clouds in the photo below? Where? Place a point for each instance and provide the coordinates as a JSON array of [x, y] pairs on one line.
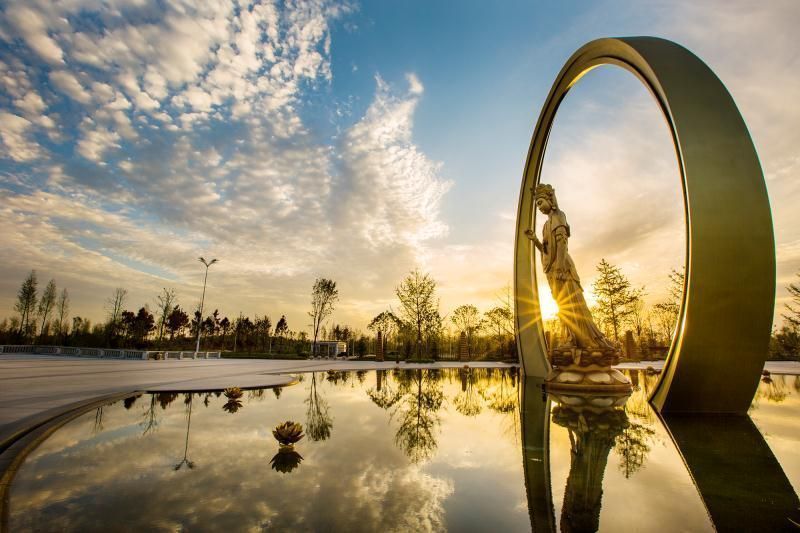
[[357, 480], [777, 421]]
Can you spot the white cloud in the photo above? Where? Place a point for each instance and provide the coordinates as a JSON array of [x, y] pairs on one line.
[[17, 144], [70, 86], [394, 189], [415, 86], [31, 26], [31, 103], [96, 140]]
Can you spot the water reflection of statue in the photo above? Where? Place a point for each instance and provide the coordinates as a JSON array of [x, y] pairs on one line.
[[581, 344], [592, 434]]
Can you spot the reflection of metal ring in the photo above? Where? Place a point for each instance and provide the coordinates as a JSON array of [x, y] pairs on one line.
[[724, 324]]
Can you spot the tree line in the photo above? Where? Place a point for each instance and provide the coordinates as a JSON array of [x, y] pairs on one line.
[[416, 330], [43, 318], [621, 307]]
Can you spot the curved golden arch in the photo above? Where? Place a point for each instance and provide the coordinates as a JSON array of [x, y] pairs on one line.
[[724, 324]]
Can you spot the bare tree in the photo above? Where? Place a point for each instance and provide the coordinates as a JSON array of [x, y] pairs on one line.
[[166, 302], [793, 316], [501, 321], [62, 309], [418, 304], [467, 319], [386, 322], [666, 312], [46, 303], [114, 306], [638, 316], [324, 296], [26, 302]]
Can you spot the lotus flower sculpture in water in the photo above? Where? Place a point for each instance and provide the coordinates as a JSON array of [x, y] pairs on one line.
[[233, 393], [287, 434]]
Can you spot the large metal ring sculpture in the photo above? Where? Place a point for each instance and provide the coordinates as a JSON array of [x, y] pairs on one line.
[[724, 324]]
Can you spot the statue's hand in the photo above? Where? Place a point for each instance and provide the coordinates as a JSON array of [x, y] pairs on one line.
[[532, 236], [562, 274]]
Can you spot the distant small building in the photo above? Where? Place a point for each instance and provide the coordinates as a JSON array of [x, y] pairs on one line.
[[331, 348]]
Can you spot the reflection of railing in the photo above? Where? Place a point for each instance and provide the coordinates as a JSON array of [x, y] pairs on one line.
[[105, 353]]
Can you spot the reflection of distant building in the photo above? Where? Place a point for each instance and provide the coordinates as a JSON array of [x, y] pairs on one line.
[[331, 348]]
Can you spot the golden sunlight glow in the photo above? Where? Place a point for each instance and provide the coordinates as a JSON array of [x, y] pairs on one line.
[[548, 305]]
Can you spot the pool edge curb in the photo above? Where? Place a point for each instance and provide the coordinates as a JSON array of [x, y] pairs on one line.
[[28, 433]]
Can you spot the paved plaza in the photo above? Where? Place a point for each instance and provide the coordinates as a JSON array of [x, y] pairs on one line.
[[33, 384]]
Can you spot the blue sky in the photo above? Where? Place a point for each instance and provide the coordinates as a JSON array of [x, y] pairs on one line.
[[355, 141]]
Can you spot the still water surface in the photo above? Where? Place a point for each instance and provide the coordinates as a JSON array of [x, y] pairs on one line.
[[417, 450]]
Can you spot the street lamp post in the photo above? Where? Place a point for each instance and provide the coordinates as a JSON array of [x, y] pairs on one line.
[[202, 300]]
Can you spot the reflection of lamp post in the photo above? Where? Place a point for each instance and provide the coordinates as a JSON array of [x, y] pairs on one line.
[[186, 460], [202, 300]]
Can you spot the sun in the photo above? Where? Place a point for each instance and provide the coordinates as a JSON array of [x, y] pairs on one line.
[[547, 304]]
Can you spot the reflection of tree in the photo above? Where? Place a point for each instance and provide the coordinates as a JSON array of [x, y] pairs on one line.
[[98, 421], [318, 422], [467, 402], [166, 398], [336, 376], [150, 421], [638, 404], [633, 446], [129, 401], [384, 395], [185, 460], [776, 389], [417, 413], [255, 394], [502, 397], [773, 389]]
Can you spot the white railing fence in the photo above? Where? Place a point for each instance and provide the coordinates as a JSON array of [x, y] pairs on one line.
[[105, 353]]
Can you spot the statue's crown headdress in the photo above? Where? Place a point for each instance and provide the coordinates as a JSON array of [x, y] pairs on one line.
[[546, 191]]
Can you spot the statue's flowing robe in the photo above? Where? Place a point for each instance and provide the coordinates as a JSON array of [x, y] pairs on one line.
[[573, 312]]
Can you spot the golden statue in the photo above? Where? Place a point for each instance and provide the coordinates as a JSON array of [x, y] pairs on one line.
[[581, 354]]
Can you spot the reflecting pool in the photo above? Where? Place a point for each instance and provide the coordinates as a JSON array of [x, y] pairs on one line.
[[460, 450]]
